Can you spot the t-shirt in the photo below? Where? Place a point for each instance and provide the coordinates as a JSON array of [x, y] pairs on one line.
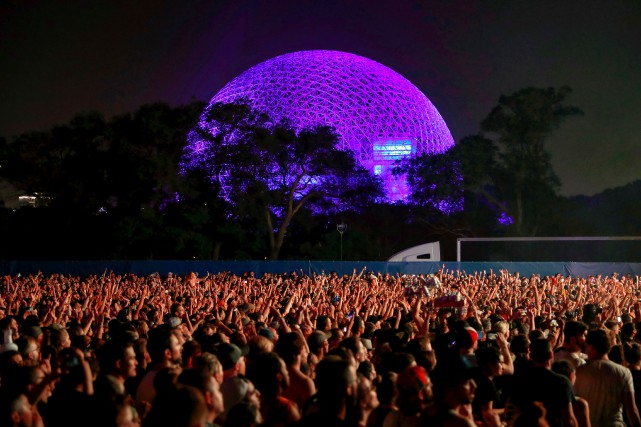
[[485, 392], [68, 407], [575, 358], [604, 384], [636, 380], [146, 391], [233, 390], [552, 390]]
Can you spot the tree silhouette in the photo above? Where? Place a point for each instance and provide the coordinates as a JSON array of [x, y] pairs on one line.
[[519, 126], [270, 171], [507, 166]]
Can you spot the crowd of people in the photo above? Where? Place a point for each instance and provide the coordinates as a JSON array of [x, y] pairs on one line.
[[450, 349]]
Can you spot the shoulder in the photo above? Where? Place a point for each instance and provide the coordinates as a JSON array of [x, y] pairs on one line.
[[300, 379], [620, 368], [616, 369], [146, 390], [559, 386], [283, 401], [590, 367], [232, 384], [391, 419], [625, 374], [290, 407], [581, 403]]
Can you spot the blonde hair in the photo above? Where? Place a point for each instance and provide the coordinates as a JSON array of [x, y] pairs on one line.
[[260, 344], [209, 363], [501, 326]]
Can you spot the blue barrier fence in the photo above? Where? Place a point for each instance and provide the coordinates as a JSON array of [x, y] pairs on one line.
[[82, 268]]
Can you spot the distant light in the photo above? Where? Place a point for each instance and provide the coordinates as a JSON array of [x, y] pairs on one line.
[[27, 200], [505, 219]]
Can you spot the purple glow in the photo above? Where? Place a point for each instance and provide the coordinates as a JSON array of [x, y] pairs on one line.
[[505, 219], [376, 112]]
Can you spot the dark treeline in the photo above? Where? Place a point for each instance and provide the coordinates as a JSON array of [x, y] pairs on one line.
[[113, 189]]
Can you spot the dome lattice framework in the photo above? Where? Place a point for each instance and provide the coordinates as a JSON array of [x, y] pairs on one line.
[[377, 113]]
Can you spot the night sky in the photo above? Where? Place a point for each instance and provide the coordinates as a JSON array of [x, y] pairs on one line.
[[61, 57]]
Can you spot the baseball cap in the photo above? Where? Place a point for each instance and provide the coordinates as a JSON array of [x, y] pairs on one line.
[[173, 322], [473, 333], [412, 378], [228, 355], [266, 332], [315, 340]]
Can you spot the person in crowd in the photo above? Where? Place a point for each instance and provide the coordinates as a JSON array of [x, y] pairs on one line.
[[74, 390], [632, 355], [244, 414], [580, 405], [16, 411], [414, 391], [574, 334], [59, 338], [257, 345], [453, 389], [318, 345], [367, 369], [356, 347], [520, 348], [165, 351], [387, 393], [323, 323], [540, 384], [607, 386], [335, 392], [269, 374], [487, 399], [366, 401], [628, 332], [117, 364], [29, 350], [614, 325], [210, 364], [178, 406], [210, 389], [358, 326], [233, 387], [292, 348], [9, 331]]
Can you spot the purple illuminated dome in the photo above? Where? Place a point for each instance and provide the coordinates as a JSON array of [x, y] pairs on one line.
[[376, 112]]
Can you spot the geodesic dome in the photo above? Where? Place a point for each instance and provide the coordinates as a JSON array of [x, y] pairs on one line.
[[377, 113]]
